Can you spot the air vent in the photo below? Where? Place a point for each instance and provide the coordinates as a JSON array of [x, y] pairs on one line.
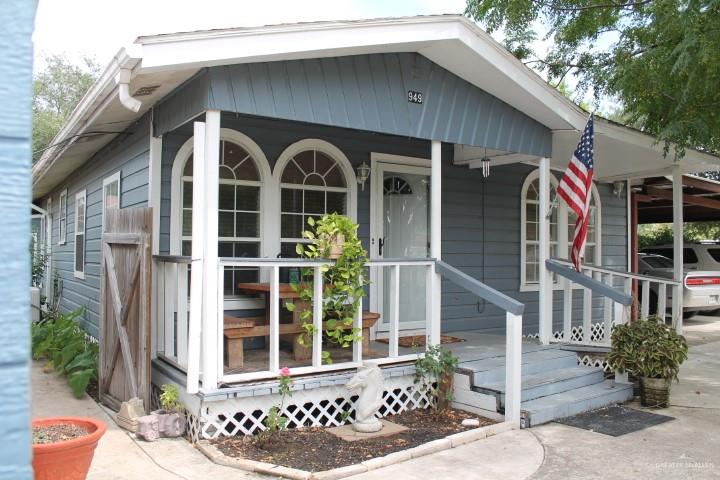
[[144, 91]]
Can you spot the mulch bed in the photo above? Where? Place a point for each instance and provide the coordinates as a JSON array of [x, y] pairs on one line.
[[56, 433], [314, 449], [92, 390]]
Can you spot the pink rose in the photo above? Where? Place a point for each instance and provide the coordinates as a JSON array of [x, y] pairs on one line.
[[285, 372]]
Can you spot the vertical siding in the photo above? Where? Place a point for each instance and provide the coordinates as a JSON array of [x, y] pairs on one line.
[[128, 154], [363, 92], [481, 217], [17, 18]]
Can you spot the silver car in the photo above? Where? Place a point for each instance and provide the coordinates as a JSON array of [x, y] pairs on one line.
[[701, 289]]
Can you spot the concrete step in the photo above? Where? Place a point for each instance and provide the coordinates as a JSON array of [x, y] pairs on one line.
[[492, 370], [560, 405], [542, 384]]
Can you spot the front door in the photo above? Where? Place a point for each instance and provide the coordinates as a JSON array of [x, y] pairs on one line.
[[402, 230]]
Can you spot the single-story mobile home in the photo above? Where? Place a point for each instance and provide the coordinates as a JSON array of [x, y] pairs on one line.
[[176, 193]]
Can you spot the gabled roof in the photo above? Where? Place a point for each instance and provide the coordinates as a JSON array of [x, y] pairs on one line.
[[160, 63]]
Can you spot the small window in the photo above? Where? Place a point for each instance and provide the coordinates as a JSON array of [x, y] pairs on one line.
[[62, 215], [658, 262], [111, 195], [688, 253], [80, 215]]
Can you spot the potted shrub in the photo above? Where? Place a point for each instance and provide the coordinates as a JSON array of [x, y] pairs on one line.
[[651, 351], [63, 447], [171, 418]]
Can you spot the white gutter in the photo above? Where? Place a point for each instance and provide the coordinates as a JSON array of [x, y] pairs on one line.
[[123, 81]]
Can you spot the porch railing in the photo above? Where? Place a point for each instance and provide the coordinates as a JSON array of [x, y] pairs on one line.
[[614, 288], [172, 308]]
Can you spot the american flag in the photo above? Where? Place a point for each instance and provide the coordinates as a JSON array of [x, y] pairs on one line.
[[575, 188]]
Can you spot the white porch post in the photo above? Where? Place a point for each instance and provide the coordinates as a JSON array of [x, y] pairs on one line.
[[545, 300], [435, 238], [210, 333], [677, 195], [198, 255]]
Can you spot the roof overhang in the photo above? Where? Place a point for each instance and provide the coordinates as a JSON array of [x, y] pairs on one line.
[[451, 41]]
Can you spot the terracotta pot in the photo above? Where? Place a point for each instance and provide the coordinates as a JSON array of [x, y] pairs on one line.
[[655, 392], [68, 460], [336, 249]]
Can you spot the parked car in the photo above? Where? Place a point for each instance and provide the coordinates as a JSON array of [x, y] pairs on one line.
[[701, 288], [696, 256]]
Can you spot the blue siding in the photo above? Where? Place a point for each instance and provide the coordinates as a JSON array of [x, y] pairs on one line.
[[363, 92], [128, 154], [17, 17], [481, 217]]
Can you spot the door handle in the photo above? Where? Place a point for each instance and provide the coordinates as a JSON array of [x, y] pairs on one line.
[[381, 243]]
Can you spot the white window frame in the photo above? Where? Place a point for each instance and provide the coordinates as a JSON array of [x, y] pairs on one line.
[[62, 218], [81, 194], [562, 229], [331, 151], [114, 178]]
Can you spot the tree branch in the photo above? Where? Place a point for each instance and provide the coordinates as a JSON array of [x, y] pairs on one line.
[[617, 6]]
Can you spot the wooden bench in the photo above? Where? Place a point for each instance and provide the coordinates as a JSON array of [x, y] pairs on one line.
[[236, 330]]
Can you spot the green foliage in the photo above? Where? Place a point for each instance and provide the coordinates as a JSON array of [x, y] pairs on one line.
[[61, 341], [659, 58], [57, 89], [343, 282], [170, 398], [433, 373], [275, 421], [647, 348], [39, 259], [662, 233]]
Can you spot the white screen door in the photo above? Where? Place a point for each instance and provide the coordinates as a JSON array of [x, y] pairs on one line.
[[402, 230]]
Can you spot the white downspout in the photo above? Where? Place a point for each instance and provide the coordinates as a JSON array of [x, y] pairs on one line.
[[128, 101]]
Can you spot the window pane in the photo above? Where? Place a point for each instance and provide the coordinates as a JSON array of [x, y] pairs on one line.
[[187, 223], [306, 161], [246, 225], [531, 212], [314, 201], [237, 158], [80, 253], [292, 174], [531, 231], [291, 200], [246, 250], [188, 170], [226, 197], [226, 173], [336, 202], [187, 247], [247, 198], [187, 194], [291, 226], [225, 249], [315, 180], [226, 224]]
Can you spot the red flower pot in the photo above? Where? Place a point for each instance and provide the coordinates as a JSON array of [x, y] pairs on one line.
[[68, 460]]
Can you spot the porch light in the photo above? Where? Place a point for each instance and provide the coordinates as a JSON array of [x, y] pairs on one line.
[[363, 173], [485, 164]]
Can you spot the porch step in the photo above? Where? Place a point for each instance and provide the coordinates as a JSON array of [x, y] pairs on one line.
[[492, 370], [546, 383], [565, 404]]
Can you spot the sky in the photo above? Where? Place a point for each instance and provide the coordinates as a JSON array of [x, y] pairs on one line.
[[99, 28]]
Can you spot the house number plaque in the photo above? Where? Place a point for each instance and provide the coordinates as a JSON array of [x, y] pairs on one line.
[[415, 97]]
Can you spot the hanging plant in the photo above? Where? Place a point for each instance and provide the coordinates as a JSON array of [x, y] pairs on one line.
[[332, 236]]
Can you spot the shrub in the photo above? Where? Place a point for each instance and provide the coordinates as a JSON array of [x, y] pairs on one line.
[[61, 341], [434, 373]]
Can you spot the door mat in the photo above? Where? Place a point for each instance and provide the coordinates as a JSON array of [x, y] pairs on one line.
[[615, 420], [419, 340]]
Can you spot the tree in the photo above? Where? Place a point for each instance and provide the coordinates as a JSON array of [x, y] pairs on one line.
[[660, 58], [56, 91]]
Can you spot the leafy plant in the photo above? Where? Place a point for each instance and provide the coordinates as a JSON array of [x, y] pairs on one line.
[[647, 348], [170, 398], [434, 374], [343, 282], [61, 341], [275, 421]]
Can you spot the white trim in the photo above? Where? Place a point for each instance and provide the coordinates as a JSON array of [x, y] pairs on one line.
[[62, 216], [114, 178], [48, 248], [562, 228], [154, 187], [267, 197], [81, 194], [300, 146]]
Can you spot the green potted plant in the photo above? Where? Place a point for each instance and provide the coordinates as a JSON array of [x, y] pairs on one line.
[[333, 236], [171, 419], [651, 351]]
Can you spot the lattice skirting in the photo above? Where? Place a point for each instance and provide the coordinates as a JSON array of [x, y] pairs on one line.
[[324, 406], [597, 333]]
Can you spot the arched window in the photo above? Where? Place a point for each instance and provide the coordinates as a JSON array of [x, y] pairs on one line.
[[562, 226], [243, 168], [314, 178]]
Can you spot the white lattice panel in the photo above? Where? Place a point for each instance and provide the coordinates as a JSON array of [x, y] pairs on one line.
[[318, 407], [589, 361]]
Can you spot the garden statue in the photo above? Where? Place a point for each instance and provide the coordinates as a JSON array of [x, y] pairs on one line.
[[368, 382]]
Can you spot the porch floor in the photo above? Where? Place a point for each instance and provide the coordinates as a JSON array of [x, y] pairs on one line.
[[476, 346]]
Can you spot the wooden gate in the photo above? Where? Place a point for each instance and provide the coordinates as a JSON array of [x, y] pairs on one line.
[[125, 307]]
